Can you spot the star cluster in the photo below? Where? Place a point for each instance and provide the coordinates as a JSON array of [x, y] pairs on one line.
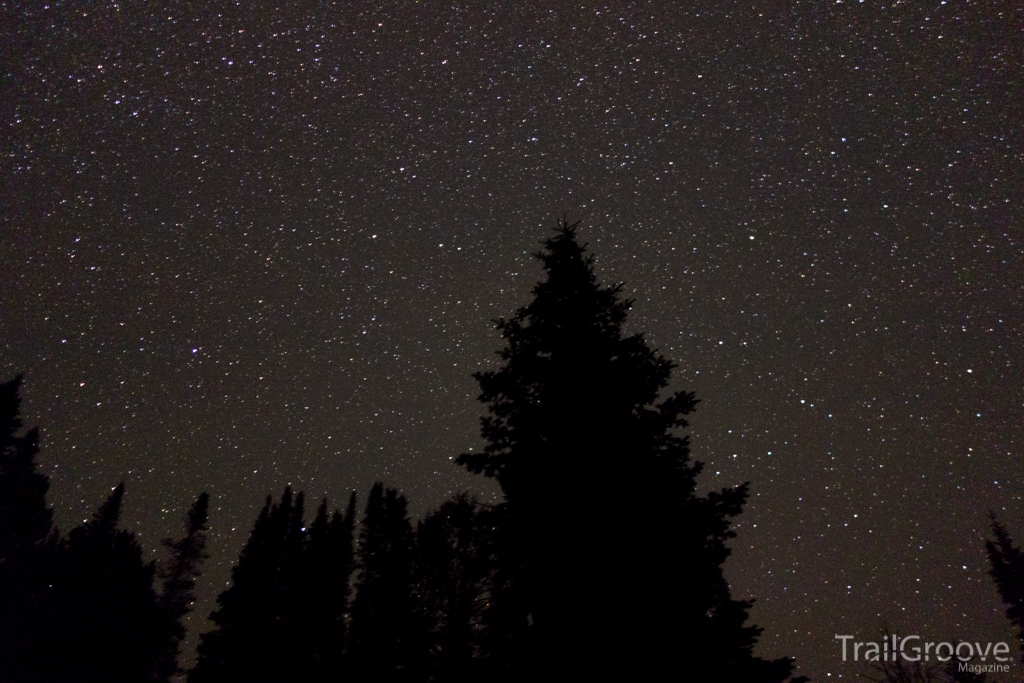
[[246, 245]]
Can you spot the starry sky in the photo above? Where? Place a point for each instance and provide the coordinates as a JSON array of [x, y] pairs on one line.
[[249, 244]]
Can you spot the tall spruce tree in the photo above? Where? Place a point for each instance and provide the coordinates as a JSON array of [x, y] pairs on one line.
[[179, 574], [384, 642], [611, 565], [1006, 561]]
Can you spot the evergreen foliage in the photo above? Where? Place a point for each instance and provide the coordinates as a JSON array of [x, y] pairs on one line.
[[27, 541], [384, 645], [452, 577], [83, 608], [1007, 570], [282, 618], [105, 619], [324, 591], [254, 620], [179, 574], [602, 564], [25, 519], [611, 565]]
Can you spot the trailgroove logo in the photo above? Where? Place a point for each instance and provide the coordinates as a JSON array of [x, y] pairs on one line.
[[914, 649]]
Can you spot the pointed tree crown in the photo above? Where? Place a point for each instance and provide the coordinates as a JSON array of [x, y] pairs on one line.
[[572, 382], [606, 547], [25, 519], [103, 524]]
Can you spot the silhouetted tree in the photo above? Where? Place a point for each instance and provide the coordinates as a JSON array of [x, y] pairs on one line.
[[76, 610], [179, 574], [383, 641], [323, 594], [1007, 569], [106, 622], [25, 519], [27, 541], [452, 578], [254, 638], [283, 617], [505, 629], [610, 563]]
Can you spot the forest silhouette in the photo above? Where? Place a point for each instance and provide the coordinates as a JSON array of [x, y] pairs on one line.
[[602, 562]]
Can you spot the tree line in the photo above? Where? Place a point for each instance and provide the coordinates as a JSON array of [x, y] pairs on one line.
[[601, 563], [83, 607]]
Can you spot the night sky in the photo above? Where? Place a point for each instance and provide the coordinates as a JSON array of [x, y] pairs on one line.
[[247, 245]]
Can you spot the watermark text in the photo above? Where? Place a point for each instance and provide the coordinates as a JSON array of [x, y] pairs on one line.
[[915, 649]]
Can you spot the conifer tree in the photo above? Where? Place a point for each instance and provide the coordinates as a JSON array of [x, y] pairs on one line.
[[27, 541], [314, 606], [254, 638], [338, 588], [283, 617], [1007, 569], [452, 575], [179, 574], [106, 623], [611, 565], [383, 642], [322, 599], [25, 519]]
